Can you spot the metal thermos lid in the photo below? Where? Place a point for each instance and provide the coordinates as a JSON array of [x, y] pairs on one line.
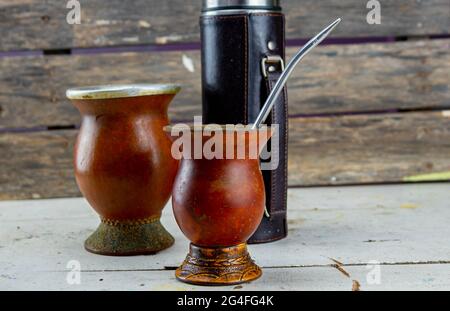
[[215, 5]]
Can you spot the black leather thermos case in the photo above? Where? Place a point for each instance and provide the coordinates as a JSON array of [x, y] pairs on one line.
[[243, 46]]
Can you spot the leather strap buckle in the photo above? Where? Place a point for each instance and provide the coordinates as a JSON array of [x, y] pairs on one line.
[[271, 59]]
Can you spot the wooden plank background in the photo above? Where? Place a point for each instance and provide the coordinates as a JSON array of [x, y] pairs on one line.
[[359, 113], [322, 151], [333, 79], [42, 24]]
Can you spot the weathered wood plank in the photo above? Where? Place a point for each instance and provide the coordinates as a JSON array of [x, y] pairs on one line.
[[324, 223], [317, 279], [42, 25], [333, 79], [368, 148], [37, 165], [323, 151], [352, 225], [422, 277], [425, 277]]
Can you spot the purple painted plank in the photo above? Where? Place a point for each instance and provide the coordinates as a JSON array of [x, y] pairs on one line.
[[138, 48], [194, 46], [21, 53]]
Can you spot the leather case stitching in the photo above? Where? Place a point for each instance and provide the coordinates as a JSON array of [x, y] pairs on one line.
[[286, 124]]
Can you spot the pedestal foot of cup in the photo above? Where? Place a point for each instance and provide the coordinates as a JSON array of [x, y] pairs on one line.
[[129, 238], [218, 266]]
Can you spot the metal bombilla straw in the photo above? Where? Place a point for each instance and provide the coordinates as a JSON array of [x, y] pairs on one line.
[[265, 111]]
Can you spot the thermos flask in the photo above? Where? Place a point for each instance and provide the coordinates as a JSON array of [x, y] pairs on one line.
[[243, 53]]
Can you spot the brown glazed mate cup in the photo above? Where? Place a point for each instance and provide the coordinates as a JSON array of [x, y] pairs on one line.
[[123, 165], [218, 204]]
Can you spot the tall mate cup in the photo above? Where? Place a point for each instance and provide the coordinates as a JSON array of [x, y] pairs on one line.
[[243, 53]]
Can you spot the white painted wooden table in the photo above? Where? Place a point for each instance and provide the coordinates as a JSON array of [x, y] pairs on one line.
[[405, 228]]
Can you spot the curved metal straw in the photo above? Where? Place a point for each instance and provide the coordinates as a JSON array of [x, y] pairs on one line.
[[265, 111]]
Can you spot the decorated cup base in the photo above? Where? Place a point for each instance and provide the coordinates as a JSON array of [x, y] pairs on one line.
[[218, 266], [113, 238]]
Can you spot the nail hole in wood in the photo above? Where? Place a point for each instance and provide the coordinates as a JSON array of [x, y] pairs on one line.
[[45, 18]]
